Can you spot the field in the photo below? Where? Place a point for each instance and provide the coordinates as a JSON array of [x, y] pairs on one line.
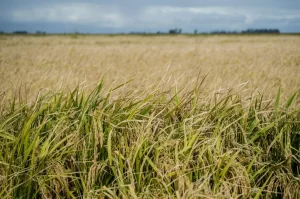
[[150, 116]]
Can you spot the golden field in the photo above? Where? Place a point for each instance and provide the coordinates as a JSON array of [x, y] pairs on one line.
[[262, 63], [200, 117]]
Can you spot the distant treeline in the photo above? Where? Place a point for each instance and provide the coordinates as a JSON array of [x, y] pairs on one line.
[[261, 31], [174, 31], [24, 32], [248, 31]]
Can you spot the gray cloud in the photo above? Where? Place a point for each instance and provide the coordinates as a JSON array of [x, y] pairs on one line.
[[76, 13], [102, 16]]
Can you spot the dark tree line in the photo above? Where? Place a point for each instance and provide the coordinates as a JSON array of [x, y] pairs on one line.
[[224, 32], [179, 31], [248, 31], [260, 31], [175, 31], [20, 32]]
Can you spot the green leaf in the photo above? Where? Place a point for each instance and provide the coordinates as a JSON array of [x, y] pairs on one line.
[[290, 100], [223, 172], [262, 188]]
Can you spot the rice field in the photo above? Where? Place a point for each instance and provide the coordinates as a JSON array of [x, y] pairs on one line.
[[150, 116]]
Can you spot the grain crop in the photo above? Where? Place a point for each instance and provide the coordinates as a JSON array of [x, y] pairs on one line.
[[149, 116]]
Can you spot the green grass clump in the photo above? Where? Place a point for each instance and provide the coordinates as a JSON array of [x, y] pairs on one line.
[[161, 145]]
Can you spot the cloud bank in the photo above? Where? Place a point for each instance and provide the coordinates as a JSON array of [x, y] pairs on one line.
[[98, 16]]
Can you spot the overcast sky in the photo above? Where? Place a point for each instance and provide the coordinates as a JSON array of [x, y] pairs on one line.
[[140, 15]]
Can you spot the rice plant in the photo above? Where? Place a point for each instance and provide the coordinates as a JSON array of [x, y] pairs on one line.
[[157, 144]]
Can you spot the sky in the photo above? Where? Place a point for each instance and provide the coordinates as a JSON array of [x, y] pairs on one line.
[[115, 16]]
